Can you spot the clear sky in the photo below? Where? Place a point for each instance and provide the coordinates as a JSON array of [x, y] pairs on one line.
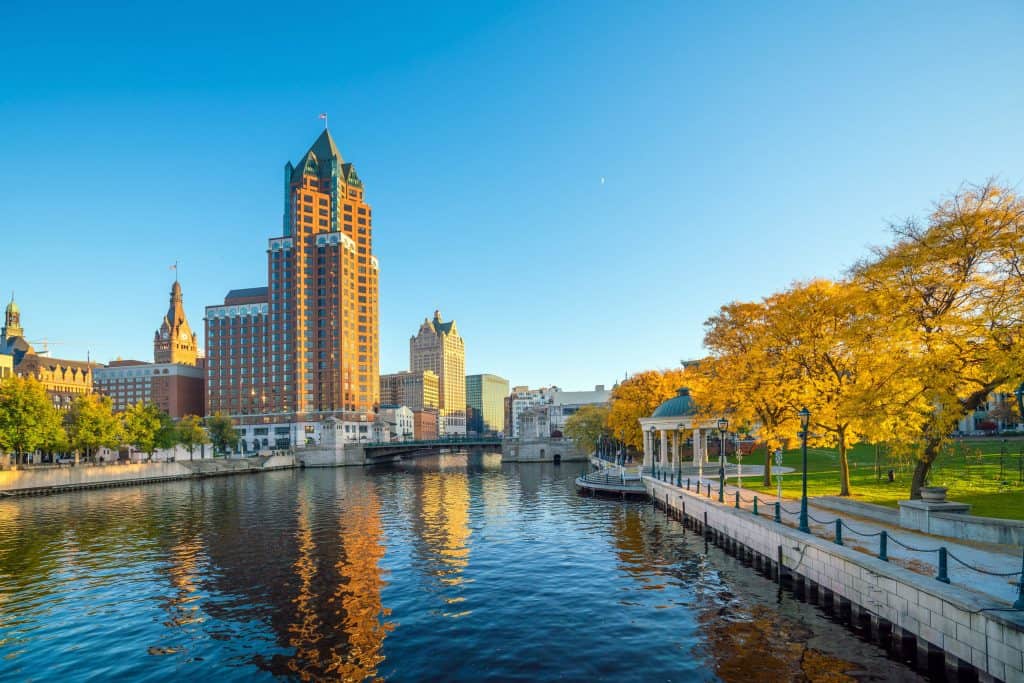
[[741, 147]]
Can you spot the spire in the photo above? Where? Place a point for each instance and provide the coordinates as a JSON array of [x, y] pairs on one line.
[[175, 342], [324, 148]]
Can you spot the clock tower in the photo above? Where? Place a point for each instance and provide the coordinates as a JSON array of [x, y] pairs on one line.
[[175, 342]]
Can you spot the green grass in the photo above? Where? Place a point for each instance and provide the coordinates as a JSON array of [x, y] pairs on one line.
[[969, 468]]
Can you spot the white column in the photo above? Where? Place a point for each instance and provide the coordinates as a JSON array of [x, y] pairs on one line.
[[664, 447], [648, 448], [677, 448], [698, 447]]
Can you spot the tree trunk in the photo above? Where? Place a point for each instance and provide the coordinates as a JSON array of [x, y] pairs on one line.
[[767, 481], [844, 466], [923, 468]]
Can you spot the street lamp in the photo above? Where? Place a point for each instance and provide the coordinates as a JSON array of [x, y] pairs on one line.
[[723, 425], [805, 420]]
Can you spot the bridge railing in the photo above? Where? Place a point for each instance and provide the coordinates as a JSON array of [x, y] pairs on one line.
[[452, 441]]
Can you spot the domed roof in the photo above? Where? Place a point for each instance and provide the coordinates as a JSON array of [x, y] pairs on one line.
[[679, 405]]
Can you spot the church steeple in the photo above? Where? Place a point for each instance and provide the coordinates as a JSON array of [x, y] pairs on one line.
[[175, 342]]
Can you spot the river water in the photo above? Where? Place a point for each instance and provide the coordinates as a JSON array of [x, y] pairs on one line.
[[454, 567]]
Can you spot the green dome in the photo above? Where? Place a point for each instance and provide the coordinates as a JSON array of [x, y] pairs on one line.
[[679, 405]]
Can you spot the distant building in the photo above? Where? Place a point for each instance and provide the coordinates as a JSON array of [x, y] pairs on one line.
[[399, 422], [418, 390], [523, 398], [565, 403], [6, 366], [424, 424], [485, 403], [438, 347], [64, 380], [177, 389]]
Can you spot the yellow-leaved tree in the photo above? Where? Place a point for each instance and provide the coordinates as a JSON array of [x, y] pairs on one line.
[[637, 397]]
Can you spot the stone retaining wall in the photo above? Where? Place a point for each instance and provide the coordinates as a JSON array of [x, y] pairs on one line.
[[897, 604], [54, 479]]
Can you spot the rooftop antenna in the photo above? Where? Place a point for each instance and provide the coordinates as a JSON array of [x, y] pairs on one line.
[[175, 269]]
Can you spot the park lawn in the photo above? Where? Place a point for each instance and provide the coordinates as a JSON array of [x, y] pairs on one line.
[[970, 468]]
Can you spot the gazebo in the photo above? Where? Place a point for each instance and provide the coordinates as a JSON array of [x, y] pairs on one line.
[[665, 431]]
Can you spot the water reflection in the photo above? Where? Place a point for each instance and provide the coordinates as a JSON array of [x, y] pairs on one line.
[[456, 568]]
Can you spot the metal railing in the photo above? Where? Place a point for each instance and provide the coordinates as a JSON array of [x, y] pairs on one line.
[[839, 524]]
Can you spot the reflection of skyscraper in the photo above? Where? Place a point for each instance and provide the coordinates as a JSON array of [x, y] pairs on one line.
[[444, 530], [339, 634], [359, 592]]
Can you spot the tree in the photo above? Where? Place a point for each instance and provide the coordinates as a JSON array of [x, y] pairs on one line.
[[587, 425], [91, 424], [166, 436], [222, 432], [745, 376], [954, 289], [28, 419], [637, 397], [191, 433], [141, 424]]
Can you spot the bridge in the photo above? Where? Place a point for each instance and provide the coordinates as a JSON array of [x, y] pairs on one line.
[[392, 450]]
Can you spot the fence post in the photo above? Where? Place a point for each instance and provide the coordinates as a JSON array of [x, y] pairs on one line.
[[839, 531], [709, 489], [883, 546], [943, 566], [737, 500], [755, 507], [687, 483], [778, 512]]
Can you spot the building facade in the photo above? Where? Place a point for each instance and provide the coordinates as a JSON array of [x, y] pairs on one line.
[[418, 390], [398, 421], [424, 424], [306, 346], [64, 380], [6, 366], [485, 403], [438, 347], [523, 398]]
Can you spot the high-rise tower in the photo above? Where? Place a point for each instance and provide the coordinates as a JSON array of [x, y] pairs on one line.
[[306, 346], [439, 347], [175, 342]]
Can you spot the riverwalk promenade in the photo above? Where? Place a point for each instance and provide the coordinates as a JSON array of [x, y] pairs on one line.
[[939, 597]]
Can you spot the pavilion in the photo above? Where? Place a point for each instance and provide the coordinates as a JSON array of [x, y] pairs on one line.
[[667, 428]]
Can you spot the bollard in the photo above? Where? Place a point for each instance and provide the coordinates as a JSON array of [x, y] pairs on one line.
[[737, 500], [755, 507], [778, 512], [709, 489], [839, 531], [687, 483], [1020, 589], [883, 546], [943, 566]]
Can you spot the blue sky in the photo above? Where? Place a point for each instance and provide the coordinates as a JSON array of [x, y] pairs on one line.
[[742, 145]]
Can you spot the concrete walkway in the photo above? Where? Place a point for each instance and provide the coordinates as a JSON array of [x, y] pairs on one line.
[[864, 537]]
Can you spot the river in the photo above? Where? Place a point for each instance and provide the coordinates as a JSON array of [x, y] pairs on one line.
[[454, 567]]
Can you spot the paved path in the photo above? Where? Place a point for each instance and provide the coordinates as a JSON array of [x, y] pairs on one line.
[[989, 557]]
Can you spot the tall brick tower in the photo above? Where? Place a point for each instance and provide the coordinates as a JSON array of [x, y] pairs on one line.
[[305, 346]]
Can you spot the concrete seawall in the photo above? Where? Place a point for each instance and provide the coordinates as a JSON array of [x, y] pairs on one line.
[[923, 620], [32, 481]]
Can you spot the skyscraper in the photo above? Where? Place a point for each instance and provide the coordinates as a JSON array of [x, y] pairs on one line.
[[305, 346], [485, 403], [438, 347]]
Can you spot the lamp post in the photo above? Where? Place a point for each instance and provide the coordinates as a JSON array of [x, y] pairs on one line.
[[805, 420], [723, 426]]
